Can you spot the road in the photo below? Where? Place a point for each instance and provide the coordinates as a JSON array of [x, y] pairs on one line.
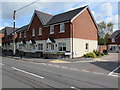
[[25, 74]]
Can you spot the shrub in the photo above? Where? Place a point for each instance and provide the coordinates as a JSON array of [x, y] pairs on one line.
[[97, 53], [90, 55], [102, 54]]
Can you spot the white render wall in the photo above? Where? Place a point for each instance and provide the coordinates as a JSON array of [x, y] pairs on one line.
[[79, 46], [66, 40]]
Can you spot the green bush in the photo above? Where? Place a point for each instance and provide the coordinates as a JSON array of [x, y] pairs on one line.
[[102, 54], [90, 55], [97, 53]]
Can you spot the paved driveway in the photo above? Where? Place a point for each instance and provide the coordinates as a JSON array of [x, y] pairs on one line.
[[111, 57]]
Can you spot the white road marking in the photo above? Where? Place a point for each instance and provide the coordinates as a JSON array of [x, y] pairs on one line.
[[85, 71], [28, 73], [73, 87], [112, 73], [2, 64]]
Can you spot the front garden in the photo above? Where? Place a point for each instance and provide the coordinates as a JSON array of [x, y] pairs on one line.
[[95, 54]]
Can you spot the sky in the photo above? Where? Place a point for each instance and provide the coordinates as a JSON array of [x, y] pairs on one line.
[[102, 11]]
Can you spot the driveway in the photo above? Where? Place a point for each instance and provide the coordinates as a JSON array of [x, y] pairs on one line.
[[111, 57]]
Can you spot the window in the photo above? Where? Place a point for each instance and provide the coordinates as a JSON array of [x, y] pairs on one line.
[[62, 28], [40, 46], [47, 47], [33, 47], [62, 46], [52, 46], [20, 46], [113, 39], [86, 46], [33, 32], [51, 29], [24, 33], [20, 35], [40, 31]]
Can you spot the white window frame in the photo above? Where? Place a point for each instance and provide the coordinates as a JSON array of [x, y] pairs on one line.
[[52, 29], [86, 46], [62, 46], [24, 34], [62, 27], [40, 48], [33, 32], [20, 35], [40, 31], [113, 39], [20, 46]]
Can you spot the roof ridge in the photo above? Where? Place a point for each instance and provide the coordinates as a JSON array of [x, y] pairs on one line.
[[44, 12], [71, 10]]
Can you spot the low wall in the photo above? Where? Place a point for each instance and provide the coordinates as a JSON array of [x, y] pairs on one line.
[[101, 48]]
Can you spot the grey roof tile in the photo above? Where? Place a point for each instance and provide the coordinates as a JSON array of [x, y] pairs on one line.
[[115, 34], [66, 16], [44, 17]]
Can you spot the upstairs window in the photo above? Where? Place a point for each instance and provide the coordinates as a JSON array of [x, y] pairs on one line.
[[20, 35], [113, 39], [40, 31], [62, 27], [24, 34], [33, 32], [52, 29]]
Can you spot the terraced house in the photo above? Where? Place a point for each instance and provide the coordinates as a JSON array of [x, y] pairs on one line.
[[73, 33], [114, 42]]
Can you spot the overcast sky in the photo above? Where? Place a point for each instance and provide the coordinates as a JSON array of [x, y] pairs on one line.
[[102, 11]]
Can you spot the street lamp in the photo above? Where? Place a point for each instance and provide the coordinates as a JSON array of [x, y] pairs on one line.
[[14, 18]]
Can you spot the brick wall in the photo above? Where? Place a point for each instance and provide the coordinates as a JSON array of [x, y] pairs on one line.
[[84, 26]]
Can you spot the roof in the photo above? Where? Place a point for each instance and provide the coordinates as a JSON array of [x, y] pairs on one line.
[[44, 17], [115, 34], [8, 30], [22, 29], [66, 16]]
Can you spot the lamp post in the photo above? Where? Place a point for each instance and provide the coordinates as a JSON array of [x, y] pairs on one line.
[[14, 22]]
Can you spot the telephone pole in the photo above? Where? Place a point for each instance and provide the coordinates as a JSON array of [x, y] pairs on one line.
[[14, 24]]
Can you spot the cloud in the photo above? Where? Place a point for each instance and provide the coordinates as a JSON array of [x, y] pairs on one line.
[[106, 9]]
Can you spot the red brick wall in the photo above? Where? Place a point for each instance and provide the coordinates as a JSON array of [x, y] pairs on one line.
[[117, 41], [84, 27], [36, 24], [102, 48]]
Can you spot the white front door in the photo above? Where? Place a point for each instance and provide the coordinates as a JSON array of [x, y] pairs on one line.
[[50, 47]]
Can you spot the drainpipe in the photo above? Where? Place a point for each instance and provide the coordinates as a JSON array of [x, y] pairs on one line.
[[72, 39]]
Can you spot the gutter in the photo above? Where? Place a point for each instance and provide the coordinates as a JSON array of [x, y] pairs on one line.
[[72, 39]]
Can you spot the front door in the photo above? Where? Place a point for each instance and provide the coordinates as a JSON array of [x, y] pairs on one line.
[[50, 47]]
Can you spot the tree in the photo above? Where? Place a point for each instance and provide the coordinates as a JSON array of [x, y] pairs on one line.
[[104, 30]]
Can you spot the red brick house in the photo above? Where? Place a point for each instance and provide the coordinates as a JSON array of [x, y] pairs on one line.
[[114, 42], [7, 37], [73, 32]]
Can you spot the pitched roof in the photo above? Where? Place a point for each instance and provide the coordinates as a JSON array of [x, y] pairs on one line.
[[44, 17], [115, 34], [66, 16], [8, 30], [22, 29]]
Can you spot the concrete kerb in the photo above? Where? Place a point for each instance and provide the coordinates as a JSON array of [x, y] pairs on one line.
[[50, 60]]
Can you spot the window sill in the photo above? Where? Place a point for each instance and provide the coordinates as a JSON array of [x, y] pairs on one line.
[[61, 32], [51, 33], [40, 35]]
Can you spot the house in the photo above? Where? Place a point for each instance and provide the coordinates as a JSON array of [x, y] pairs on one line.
[[114, 42], [7, 39], [1, 36], [73, 33]]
